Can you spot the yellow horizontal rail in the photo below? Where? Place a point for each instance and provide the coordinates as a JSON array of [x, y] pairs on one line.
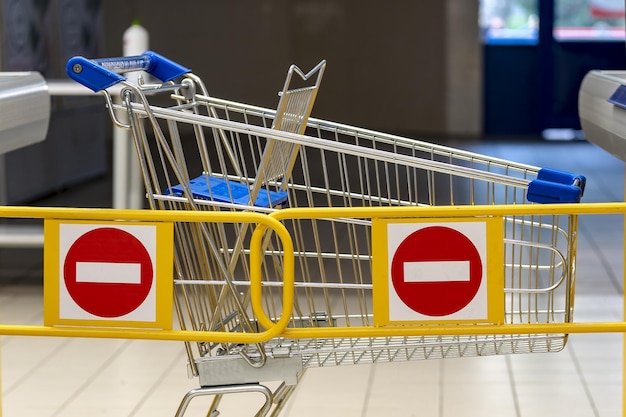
[[446, 330], [318, 332], [450, 211], [144, 334], [317, 212]]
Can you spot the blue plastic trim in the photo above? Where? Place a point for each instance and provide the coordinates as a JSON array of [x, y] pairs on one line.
[[90, 74], [553, 186], [104, 73], [221, 190], [164, 69], [124, 64]]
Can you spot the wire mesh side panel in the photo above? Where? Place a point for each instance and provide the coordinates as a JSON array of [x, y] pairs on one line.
[[439, 175], [333, 266], [540, 258], [334, 289], [211, 260], [339, 166], [185, 165]]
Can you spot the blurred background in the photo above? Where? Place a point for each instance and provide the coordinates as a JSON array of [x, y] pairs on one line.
[[436, 69]]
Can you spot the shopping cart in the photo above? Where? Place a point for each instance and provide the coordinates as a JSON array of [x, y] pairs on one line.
[[198, 152]]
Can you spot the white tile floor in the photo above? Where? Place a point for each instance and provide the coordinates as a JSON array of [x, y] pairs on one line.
[[48, 377]]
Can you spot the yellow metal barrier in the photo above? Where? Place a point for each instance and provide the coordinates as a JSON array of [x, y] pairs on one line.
[[451, 212], [273, 222], [271, 331]]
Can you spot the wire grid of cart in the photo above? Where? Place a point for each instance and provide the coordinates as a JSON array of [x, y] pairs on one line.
[[355, 167], [205, 153]]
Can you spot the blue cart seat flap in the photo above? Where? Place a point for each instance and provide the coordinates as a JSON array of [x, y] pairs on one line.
[[225, 191], [552, 186]]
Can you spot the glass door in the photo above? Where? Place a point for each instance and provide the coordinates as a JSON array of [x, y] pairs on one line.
[[536, 54]]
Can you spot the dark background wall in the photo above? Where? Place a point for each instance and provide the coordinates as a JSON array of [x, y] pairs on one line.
[[389, 65]]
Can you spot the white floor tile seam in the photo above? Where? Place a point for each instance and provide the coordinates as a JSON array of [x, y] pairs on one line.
[[85, 390], [8, 387], [83, 386], [583, 380], [149, 390], [512, 385]]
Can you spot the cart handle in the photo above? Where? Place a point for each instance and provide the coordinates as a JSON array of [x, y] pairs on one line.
[[553, 186], [100, 74]]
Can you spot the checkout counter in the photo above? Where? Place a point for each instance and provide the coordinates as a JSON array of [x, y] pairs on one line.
[[602, 111]]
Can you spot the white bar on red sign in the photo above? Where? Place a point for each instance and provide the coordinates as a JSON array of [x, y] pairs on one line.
[[108, 272], [437, 271]]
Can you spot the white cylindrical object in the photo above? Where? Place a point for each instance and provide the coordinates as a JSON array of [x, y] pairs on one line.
[[136, 41], [121, 161], [128, 191]]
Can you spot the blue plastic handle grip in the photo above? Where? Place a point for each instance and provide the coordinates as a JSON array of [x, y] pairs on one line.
[[100, 74], [126, 64], [553, 186]]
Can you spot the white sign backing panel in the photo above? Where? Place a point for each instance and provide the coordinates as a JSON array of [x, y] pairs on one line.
[[108, 273], [438, 270]]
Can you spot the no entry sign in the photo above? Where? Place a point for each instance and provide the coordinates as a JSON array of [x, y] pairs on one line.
[[108, 273], [443, 270]]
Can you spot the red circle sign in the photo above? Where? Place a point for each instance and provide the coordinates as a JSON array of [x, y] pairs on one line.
[[108, 246], [432, 296]]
